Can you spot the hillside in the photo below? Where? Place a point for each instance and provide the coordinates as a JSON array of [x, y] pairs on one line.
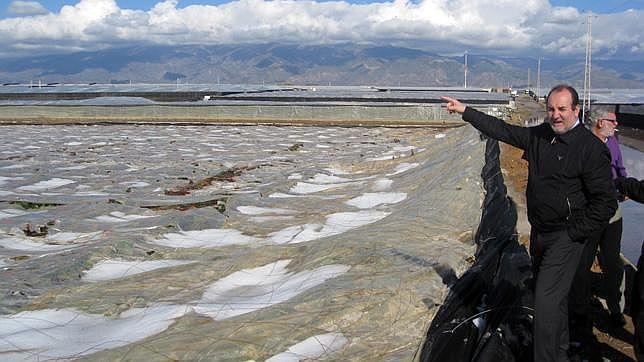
[[343, 64]]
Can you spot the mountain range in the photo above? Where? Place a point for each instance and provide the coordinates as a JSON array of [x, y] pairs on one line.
[[342, 64]]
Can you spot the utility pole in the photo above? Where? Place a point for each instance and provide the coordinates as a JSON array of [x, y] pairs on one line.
[[528, 79], [465, 83], [589, 42], [538, 79]]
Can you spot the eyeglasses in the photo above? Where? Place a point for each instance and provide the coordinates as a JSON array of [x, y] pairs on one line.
[[609, 120]]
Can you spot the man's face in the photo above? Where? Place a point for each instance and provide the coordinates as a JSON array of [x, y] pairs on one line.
[[607, 125], [561, 114]]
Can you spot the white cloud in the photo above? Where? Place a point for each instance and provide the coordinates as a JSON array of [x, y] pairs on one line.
[[439, 25], [26, 8]]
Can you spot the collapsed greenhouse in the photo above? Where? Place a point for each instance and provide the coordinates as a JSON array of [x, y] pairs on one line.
[[229, 242], [245, 105]]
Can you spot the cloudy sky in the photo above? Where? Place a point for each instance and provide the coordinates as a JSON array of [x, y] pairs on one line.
[[514, 27]]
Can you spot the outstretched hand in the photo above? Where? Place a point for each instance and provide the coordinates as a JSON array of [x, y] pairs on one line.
[[453, 105]]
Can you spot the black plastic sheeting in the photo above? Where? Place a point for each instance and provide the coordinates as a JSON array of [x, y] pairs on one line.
[[487, 315]]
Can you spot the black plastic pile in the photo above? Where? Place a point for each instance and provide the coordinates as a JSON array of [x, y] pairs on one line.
[[487, 315]]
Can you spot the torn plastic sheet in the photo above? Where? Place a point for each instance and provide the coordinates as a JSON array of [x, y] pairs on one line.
[[116, 269], [316, 347], [225, 271]]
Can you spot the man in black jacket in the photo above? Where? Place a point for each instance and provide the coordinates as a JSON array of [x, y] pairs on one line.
[[631, 187], [634, 189], [570, 195]]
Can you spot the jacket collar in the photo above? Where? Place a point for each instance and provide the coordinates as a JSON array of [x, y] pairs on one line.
[[569, 136]]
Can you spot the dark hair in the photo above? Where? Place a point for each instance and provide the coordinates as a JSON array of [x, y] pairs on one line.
[[561, 87]]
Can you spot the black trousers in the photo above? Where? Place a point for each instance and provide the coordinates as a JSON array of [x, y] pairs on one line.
[[555, 258], [637, 308], [612, 265], [609, 242]]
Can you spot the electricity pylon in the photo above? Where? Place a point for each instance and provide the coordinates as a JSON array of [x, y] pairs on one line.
[[589, 43]]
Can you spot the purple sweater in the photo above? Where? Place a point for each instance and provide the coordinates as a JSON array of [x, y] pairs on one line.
[[616, 163]]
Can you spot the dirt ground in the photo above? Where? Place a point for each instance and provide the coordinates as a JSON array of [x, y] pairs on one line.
[[614, 344]]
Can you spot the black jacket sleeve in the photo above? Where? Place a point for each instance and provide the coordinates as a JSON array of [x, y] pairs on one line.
[[601, 194], [497, 129], [631, 187]]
